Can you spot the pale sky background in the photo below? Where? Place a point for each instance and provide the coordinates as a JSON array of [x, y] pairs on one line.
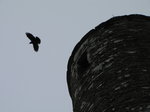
[[36, 81]]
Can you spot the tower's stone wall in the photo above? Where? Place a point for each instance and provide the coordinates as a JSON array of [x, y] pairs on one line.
[[109, 69]]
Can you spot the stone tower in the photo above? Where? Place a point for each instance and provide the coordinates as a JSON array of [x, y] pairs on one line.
[[109, 69]]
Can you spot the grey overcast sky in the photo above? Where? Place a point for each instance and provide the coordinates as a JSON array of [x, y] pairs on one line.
[[36, 81]]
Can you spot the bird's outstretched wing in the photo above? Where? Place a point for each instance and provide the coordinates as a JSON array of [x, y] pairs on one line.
[[38, 40], [30, 36], [36, 47]]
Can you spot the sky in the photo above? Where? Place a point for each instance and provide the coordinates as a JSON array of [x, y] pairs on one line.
[[36, 81]]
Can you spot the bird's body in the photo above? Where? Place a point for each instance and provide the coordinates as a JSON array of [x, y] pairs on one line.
[[34, 40]]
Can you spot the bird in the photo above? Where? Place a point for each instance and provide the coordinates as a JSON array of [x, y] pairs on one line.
[[34, 40]]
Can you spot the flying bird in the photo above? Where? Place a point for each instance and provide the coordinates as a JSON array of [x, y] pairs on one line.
[[34, 40]]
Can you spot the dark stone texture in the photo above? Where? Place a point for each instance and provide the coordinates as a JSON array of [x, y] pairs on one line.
[[109, 69]]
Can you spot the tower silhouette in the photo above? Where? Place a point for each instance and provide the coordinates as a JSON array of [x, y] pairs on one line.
[[109, 69]]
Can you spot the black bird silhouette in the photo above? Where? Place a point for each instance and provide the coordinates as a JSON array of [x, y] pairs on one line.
[[34, 40]]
